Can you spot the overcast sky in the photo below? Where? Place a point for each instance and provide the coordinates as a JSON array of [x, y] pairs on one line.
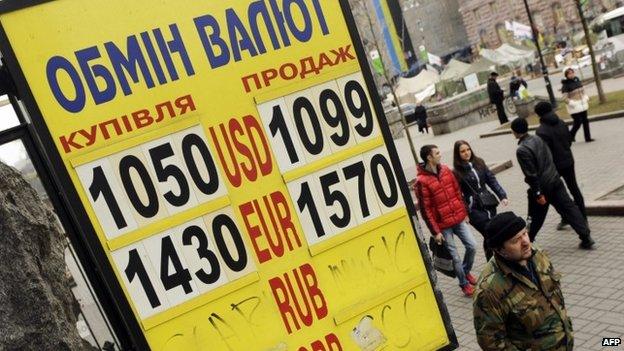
[[12, 152]]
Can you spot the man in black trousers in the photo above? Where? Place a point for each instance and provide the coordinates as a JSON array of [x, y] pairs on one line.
[[559, 140], [497, 96], [545, 185]]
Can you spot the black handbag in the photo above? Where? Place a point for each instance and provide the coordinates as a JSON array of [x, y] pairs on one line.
[[442, 258], [484, 196]]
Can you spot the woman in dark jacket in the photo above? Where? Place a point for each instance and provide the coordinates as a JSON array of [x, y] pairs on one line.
[[577, 103], [473, 175]]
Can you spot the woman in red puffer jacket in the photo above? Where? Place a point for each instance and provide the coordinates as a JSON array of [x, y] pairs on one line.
[[443, 210]]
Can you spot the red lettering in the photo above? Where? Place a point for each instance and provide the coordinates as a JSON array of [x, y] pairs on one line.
[[268, 76], [305, 316], [276, 246], [324, 61], [249, 170], [331, 341], [281, 226], [246, 210], [142, 118], [285, 219], [126, 123], [255, 79], [185, 103], [283, 303], [307, 294], [251, 125], [89, 135], [316, 295], [243, 159], [317, 346], [234, 176], [69, 143]]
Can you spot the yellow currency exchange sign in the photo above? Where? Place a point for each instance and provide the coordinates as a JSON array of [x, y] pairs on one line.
[[232, 163]]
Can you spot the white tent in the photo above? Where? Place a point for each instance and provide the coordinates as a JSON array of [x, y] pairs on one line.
[[494, 56], [454, 70], [518, 55], [509, 55], [407, 88]]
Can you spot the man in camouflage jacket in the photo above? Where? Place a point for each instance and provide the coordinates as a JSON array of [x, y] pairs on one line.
[[518, 303]]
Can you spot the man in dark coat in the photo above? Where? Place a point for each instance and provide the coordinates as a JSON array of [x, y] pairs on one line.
[[420, 114], [559, 140], [545, 185], [497, 96]]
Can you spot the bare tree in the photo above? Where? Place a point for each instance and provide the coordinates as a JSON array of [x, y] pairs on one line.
[[601, 96], [361, 8]]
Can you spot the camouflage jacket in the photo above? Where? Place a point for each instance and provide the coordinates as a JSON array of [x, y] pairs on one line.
[[512, 313]]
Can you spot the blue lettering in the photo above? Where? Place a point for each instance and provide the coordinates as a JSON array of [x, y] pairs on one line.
[[259, 8], [236, 29], [321, 17], [55, 64], [151, 52], [169, 47], [91, 72], [301, 35], [279, 19], [211, 40], [128, 63]]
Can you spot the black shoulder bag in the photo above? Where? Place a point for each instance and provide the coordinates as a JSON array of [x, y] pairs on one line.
[[442, 258], [484, 196]]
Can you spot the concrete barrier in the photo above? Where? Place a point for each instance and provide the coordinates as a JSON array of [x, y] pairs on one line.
[[592, 118]]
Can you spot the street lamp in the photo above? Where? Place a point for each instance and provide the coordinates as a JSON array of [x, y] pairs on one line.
[[551, 94]]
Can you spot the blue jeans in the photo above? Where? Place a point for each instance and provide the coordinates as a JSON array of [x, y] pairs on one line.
[[462, 231]]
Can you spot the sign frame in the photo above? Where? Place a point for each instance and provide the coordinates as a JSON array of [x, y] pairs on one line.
[[396, 165], [84, 237]]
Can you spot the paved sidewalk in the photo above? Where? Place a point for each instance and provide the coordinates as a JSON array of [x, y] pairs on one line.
[[537, 86], [593, 282]]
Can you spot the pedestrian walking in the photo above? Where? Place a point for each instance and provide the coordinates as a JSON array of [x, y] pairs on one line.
[[545, 185], [559, 140], [497, 96], [518, 302], [444, 212], [577, 103], [474, 177], [420, 114]]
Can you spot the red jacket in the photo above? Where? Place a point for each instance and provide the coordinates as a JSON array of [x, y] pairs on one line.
[[440, 197]]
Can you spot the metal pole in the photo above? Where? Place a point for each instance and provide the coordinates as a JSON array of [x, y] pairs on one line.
[[551, 94], [601, 95]]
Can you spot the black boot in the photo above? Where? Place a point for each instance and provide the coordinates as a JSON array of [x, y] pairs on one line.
[[587, 243]]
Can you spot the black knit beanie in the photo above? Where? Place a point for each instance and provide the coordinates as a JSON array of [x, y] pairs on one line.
[[503, 227]]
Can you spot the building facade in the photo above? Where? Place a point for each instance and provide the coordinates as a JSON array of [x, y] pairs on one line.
[[484, 20], [436, 24]]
